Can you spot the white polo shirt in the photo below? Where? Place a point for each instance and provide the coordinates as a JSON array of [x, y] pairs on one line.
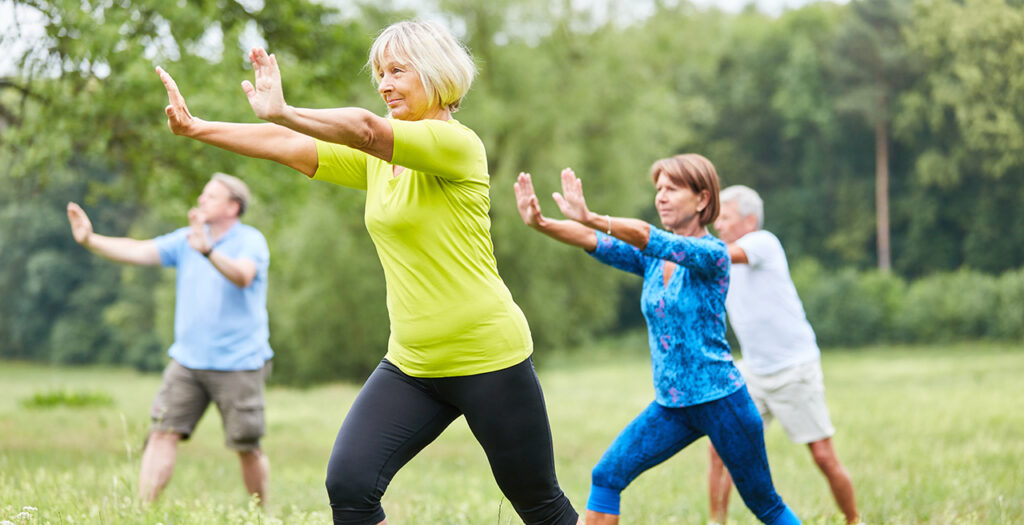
[[764, 309]]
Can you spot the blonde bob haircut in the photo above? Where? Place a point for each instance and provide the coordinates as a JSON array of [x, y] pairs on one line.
[[695, 172], [443, 64]]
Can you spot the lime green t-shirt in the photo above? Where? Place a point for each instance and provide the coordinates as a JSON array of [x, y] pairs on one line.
[[451, 314]]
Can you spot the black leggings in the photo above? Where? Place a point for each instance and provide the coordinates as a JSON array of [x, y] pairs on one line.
[[395, 416]]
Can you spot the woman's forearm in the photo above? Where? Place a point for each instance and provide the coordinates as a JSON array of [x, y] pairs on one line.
[[632, 231], [263, 141], [568, 232]]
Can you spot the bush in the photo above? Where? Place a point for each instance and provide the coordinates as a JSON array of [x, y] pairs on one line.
[[848, 308], [853, 308], [1008, 323], [951, 306]]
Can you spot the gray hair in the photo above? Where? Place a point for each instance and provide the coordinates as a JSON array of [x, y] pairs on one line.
[[238, 190], [748, 202], [443, 64]]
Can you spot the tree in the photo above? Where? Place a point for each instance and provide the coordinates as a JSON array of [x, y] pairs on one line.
[[872, 62], [966, 116]]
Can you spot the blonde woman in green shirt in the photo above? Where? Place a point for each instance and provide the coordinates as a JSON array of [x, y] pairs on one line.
[[459, 344]]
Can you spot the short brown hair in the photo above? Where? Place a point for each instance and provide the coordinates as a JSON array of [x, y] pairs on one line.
[[695, 172]]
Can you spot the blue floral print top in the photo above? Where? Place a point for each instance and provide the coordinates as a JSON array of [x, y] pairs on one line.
[[690, 358]]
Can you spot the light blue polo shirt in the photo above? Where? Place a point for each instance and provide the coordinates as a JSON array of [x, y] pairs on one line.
[[217, 325]]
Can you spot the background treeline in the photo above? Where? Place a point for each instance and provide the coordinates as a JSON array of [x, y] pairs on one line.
[[878, 120]]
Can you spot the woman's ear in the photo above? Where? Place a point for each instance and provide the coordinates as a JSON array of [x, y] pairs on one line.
[[705, 198]]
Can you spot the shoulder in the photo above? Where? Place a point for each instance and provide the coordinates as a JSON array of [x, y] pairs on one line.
[[250, 234], [712, 243], [245, 229], [463, 129], [762, 247], [449, 131], [759, 239]]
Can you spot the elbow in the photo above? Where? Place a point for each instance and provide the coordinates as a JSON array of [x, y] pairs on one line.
[[365, 132], [372, 134]]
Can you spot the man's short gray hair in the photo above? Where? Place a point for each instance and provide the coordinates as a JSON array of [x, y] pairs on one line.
[[238, 190], [748, 202]]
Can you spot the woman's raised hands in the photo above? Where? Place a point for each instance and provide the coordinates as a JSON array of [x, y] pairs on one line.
[[569, 232], [179, 119], [526, 201], [571, 201], [265, 96]]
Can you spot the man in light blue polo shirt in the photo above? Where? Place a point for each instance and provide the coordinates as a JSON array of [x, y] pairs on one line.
[[221, 351]]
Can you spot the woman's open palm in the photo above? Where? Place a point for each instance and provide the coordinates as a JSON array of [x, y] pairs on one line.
[[526, 200], [571, 200], [178, 117], [265, 93]]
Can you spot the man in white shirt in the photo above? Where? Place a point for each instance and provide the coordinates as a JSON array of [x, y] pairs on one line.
[[781, 360]]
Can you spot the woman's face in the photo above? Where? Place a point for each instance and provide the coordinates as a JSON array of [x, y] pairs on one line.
[[402, 90], [678, 205]]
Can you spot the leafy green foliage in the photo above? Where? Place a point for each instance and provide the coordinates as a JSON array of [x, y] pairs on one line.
[[851, 308], [784, 104]]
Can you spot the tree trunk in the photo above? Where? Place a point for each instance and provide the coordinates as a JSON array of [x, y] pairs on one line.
[[882, 194]]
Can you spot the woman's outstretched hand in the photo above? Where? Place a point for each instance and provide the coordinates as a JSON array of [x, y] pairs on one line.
[[179, 119], [265, 96], [571, 201], [526, 201]]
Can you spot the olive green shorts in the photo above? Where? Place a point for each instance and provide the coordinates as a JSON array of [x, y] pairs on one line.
[[186, 392]]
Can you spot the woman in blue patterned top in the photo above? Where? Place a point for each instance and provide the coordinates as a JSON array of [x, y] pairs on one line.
[[698, 391]]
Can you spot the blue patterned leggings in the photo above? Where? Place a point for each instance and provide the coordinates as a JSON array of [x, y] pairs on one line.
[[658, 433]]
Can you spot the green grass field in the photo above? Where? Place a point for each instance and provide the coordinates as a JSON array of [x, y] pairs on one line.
[[930, 435]]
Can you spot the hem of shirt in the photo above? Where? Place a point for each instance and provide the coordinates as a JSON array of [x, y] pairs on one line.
[[476, 369], [786, 366], [716, 397], [222, 368]]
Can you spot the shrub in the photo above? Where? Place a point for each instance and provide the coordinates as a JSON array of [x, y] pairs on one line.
[[950, 306], [1008, 322], [848, 308]]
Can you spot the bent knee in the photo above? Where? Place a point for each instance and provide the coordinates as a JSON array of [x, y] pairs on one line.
[[607, 476], [351, 487], [354, 498]]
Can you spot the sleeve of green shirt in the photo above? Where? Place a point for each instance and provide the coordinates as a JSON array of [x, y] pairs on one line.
[[444, 149], [341, 165]]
